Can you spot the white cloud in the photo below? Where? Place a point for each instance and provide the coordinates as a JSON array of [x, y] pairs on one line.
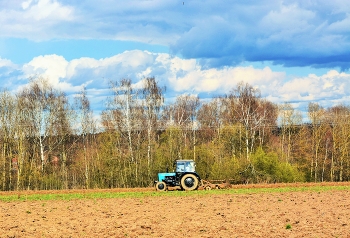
[[53, 67], [26, 4], [34, 19], [6, 63], [297, 33], [48, 10], [328, 88], [181, 76], [223, 80], [276, 27], [276, 20]]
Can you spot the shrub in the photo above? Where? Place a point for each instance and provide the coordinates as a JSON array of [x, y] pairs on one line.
[[269, 168]]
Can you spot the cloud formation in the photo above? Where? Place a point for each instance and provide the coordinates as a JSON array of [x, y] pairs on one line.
[[296, 34], [178, 75], [328, 87], [34, 19], [289, 33]]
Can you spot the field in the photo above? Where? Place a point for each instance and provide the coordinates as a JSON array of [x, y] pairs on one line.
[[279, 210]]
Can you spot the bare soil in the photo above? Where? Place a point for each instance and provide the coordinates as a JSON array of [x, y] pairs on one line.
[[306, 214]]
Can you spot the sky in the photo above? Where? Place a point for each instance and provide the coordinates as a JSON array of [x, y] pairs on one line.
[[293, 51]]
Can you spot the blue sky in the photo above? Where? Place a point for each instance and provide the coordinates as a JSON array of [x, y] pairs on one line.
[[293, 51]]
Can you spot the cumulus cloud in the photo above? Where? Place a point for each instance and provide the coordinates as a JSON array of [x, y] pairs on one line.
[[178, 75], [6, 63], [34, 19], [328, 89], [52, 67]]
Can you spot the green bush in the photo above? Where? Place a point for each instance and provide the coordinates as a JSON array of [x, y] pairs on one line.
[[268, 168]]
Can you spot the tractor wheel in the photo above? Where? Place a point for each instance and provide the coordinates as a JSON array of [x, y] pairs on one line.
[[208, 187], [189, 182], [161, 186]]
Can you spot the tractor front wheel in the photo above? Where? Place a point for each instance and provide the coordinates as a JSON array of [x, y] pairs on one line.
[[189, 182], [161, 186]]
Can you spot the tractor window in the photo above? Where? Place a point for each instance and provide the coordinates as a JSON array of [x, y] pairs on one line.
[[189, 166], [185, 166], [180, 167]]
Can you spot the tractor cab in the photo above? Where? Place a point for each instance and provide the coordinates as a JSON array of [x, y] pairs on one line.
[[182, 166]]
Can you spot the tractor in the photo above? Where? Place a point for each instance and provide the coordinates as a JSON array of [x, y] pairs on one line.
[[185, 177]]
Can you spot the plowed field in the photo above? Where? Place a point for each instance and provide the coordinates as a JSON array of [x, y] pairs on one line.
[[256, 214]]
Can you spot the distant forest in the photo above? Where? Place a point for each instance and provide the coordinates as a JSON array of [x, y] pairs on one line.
[[50, 142]]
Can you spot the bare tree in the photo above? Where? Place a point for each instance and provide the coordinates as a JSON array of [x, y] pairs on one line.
[[290, 119], [338, 118], [46, 116], [318, 126], [36, 102], [87, 130], [210, 119], [123, 106], [8, 124], [128, 118], [153, 99], [248, 109], [182, 114]]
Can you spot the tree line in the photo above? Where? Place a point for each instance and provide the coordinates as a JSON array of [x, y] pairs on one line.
[[50, 142]]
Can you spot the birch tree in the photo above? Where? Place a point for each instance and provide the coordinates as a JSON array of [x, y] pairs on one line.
[[339, 117], [245, 107], [127, 114], [316, 115], [8, 124], [210, 119], [35, 100], [153, 99], [122, 107], [86, 130], [183, 115], [46, 116], [290, 120]]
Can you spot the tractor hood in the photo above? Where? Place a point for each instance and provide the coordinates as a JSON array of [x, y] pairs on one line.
[[161, 176]]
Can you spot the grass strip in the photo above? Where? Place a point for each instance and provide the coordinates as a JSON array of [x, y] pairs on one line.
[[102, 195]]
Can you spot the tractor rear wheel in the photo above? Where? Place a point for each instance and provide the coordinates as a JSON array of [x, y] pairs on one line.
[[189, 182], [161, 186]]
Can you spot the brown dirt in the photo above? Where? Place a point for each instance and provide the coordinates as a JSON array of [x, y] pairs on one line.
[[310, 214]]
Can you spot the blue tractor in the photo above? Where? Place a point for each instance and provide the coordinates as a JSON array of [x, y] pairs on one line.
[[185, 177]]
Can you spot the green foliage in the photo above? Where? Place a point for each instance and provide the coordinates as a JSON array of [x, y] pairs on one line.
[[268, 168], [225, 168], [231, 140]]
